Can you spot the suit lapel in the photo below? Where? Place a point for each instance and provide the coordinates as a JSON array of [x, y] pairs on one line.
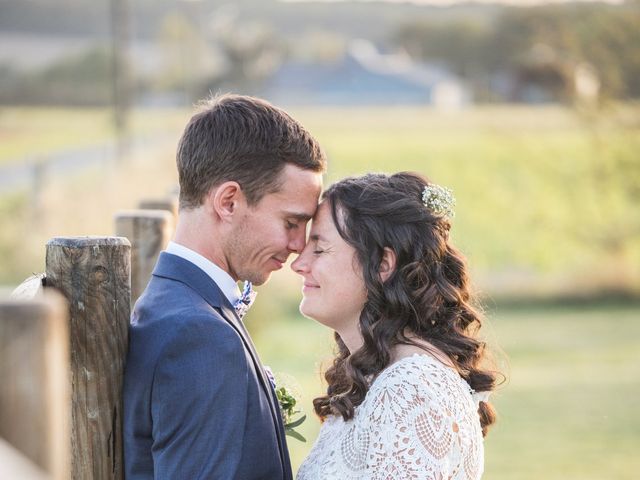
[[229, 313], [231, 316], [177, 268]]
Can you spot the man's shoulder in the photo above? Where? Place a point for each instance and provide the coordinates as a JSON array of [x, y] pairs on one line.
[[169, 309], [167, 297]]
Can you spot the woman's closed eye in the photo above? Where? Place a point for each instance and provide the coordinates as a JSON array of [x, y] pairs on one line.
[[318, 250]]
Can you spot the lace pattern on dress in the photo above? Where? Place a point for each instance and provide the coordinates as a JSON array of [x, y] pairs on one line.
[[418, 421]]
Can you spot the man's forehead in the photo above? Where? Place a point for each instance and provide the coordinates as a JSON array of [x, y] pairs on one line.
[[297, 182]]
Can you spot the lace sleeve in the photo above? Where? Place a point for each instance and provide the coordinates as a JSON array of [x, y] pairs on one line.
[[416, 430]]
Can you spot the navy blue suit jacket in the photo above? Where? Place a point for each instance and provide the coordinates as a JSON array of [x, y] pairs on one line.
[[197, 402]]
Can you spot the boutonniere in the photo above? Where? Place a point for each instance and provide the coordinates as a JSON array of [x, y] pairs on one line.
[[287, 401]]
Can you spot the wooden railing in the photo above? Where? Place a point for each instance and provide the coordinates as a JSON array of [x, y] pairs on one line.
[[63, 345]]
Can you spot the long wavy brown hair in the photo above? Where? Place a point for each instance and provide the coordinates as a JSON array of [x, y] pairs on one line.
[[426, 297]]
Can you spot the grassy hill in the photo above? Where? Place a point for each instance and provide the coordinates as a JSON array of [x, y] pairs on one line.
[[545, 197], [547, 204]]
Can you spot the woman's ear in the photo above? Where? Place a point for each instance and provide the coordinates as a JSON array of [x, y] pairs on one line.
[[225, 200], [388, 264]]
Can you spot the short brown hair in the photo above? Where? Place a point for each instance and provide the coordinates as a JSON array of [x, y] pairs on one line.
[[243, 139]]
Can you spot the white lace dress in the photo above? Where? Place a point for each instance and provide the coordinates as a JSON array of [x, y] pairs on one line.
[[418, 421]]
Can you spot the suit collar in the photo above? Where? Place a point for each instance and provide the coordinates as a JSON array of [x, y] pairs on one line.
[[180, 269], [223, 280]]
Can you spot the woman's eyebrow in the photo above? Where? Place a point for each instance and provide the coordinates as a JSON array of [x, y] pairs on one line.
[[317, 237]]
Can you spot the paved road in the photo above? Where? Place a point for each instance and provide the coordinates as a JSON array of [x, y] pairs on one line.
[[23, 173]]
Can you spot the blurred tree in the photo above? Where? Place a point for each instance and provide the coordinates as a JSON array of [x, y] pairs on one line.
[[217, 52], [605, 36], [461, 45], [82, 79], [541, 45], [251, 48], [189, 60]]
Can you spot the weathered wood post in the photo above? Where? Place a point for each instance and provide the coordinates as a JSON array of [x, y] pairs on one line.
[[14, 464], [169, 204], [34, 387], [93, 273], [149, 232]]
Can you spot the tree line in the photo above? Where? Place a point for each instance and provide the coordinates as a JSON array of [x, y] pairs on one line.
[[539, 45], [516, 54]]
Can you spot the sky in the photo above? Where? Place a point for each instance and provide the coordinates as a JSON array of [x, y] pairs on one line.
[[451, 2]]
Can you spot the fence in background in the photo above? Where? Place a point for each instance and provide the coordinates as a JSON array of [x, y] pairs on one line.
[[63, 345]]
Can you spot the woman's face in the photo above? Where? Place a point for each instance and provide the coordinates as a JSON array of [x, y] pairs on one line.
[[333, 292]]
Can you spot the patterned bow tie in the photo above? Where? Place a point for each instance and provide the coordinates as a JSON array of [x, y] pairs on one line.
[[243, 304]]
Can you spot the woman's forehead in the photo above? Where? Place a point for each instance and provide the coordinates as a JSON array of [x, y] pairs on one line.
[[322, 226]]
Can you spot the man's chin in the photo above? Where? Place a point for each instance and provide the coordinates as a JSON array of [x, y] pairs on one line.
[[260, 279]]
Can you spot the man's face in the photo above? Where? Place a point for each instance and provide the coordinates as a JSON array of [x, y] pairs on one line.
[[275, 227]]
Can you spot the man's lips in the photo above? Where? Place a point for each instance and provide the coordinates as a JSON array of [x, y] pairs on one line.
[[278, 262], [306, 287]]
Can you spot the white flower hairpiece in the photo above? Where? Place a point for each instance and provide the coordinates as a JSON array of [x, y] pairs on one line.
[[439, 200]]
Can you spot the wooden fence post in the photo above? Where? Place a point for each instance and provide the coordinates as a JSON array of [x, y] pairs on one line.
[[169, 204], [34, 388], [149, 232], [93, 273], [14, 464]]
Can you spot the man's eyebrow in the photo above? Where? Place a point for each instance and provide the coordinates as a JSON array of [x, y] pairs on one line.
[[301, 217]]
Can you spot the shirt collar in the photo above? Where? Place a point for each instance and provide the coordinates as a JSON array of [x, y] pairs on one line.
[[224, 281]]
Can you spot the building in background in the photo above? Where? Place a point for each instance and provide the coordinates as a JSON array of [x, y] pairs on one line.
[[365, 76]]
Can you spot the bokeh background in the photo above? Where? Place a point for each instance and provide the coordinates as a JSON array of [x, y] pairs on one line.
[[528, 110]]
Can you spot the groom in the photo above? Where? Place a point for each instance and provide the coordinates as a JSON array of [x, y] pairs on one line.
[[197, 401]]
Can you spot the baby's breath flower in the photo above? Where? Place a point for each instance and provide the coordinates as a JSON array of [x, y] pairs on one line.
[[439, 200]]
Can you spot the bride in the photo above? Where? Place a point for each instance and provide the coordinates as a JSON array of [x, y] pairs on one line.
[[407, 394]]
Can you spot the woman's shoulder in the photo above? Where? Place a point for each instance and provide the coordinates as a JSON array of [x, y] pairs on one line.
[[415, 381], [419, 368]]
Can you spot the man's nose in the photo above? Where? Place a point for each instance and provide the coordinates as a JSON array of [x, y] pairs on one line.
[[299, 265], [298, 241]]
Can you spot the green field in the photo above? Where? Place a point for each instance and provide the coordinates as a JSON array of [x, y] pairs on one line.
[[28, 133], [545, 195], [570, 409], [547, 206]]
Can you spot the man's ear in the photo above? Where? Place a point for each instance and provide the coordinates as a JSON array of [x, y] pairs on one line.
[[224, 200], [388, 264]]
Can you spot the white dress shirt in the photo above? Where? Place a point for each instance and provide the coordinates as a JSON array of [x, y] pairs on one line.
[[227, 284]]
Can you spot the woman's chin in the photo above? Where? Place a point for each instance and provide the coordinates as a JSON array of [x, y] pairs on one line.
[[304, 310], [307, 310]]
